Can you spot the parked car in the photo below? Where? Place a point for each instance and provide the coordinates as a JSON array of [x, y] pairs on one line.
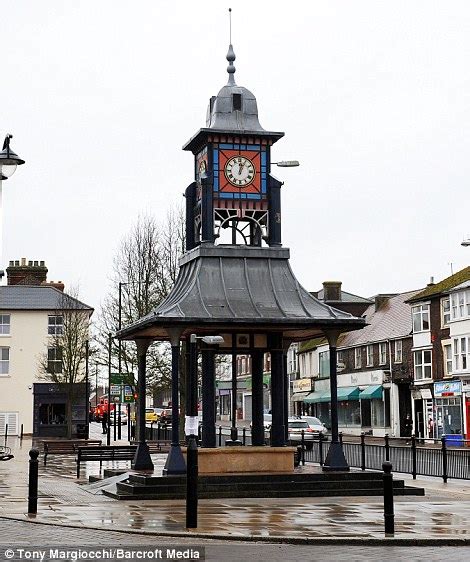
[[267, 422], [295, 427], [123, 417], [317, 426]]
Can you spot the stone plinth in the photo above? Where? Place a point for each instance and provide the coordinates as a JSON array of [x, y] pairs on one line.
[[245, 459]]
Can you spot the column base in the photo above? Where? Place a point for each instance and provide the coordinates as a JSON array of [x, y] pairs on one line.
[[175, 461], [142, 459], [335, 459], [233, 443]]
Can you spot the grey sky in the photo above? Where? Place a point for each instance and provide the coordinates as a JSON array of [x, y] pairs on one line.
[[374, 98]]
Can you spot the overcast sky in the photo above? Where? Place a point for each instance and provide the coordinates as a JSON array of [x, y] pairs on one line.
[[374, 98]]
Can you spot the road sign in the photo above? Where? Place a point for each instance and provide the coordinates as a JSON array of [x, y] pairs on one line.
[[115, 390], [122, 378], [128, 393]]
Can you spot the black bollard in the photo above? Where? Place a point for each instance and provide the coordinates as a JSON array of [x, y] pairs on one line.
[[220, 436], [413, 456], [244, 436], [33, 482], [363, 451], [191, 483], [444, 459], [389, 516]]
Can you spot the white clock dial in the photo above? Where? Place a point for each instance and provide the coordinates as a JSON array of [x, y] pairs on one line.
[[240, 171]]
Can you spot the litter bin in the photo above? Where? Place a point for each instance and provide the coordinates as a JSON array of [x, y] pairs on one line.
[[81, 431], [454, 440]]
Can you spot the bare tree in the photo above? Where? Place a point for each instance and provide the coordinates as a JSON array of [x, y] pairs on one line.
[[64, 360], [146, 266]]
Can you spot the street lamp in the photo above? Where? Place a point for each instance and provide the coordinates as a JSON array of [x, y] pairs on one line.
[[191, 429], [8, 163]]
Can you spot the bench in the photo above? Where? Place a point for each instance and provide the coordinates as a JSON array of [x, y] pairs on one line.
[[67, 447], [155, 447]]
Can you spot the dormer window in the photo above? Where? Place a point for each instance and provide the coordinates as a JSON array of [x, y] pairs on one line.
[[237, 102]]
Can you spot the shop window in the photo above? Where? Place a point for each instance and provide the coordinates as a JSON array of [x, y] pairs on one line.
[[349, 413], [4, 324], [420, 315], [52, 414], [377, 413]]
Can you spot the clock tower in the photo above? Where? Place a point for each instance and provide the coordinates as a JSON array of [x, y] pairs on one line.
[[233, 199]]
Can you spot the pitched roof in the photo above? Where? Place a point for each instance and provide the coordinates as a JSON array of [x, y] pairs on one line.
[[35, 297], [391, 320], [443, 286]]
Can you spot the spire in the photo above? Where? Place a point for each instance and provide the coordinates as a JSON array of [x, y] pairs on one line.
[[231, 68]]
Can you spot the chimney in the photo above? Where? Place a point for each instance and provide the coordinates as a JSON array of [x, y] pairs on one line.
[[59, 285], [431, 282], [331, 291], [380, 300], [26, 273]]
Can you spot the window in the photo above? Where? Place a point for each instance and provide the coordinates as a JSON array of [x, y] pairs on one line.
[[382, 353], [370, 355], [445, 311], [398, 351], [462, 353], [324, 364], [423, 367], [55, 325], [447, 360], [339, 357], [420, 318], [4, 324], [460, 305], [54, 360], [4, 360], [357, 358]]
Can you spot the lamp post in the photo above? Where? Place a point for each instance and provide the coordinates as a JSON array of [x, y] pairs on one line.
[[8, 163], [87, 399], [191, 429]]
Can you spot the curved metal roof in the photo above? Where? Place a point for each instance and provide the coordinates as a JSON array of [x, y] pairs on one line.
[[233, 287]]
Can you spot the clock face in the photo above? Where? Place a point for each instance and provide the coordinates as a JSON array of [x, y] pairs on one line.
[[239, 171]]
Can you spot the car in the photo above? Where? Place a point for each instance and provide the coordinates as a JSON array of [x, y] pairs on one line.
[[317, 426], [152, 414], [295, 428], [267, 422], [123, 418]]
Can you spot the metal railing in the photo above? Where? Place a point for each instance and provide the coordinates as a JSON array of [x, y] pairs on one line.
[[444, 458]]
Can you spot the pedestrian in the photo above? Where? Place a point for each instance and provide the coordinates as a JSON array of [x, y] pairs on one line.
[[104, 421], [408, 426]]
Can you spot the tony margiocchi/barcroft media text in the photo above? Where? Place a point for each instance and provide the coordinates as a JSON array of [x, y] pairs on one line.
[[100, 553]]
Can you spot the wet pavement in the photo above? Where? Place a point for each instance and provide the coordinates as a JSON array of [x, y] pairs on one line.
[[442, 514]]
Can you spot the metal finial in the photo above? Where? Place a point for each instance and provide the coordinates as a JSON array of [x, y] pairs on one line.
[[231, 54]]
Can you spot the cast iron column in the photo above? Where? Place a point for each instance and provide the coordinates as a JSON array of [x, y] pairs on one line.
[[208, 398], [257, 402], [87, 392], [142, 460], [175, 461], [335, 459], [234, 441], [191, 430], [285, 380], [277, 391]]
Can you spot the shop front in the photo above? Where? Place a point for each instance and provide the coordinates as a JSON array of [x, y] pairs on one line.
[[301, 388], [448, 418]]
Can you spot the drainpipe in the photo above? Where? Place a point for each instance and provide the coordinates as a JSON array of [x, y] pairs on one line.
[[393, 406]]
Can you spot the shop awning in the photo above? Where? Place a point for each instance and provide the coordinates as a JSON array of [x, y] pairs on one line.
[[314, 397], [299, 396], [371, 392], [348, 393]]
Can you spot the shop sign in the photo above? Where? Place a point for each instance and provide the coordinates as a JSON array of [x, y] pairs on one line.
[[302, 385], [416, 394], [426, 394], [444, 389]]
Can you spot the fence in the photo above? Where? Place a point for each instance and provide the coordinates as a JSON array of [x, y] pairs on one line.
[[441, 458]]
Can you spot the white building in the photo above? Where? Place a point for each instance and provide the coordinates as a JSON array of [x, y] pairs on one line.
[[29, 319]]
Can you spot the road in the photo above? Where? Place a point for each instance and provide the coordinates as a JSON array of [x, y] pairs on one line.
[[14, 534]]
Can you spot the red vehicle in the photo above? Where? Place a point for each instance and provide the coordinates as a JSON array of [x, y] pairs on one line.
[[102, 407]]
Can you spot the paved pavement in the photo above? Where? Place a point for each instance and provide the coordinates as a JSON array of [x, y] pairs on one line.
[[442, 515]]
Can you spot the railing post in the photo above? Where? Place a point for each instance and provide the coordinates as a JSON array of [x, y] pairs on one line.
[[389, 516], [33, 482], [444, 459], [340, 435], [303, 448], [363, 450], [320, 447], [6, 432], [151, 430], [413, 455], [21, 434], [387, 447], [220, 436], [158, 431], [244, 436]]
